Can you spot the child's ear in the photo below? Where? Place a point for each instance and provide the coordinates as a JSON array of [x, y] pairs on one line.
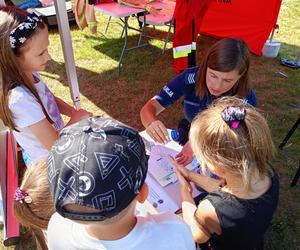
[[143, 194]]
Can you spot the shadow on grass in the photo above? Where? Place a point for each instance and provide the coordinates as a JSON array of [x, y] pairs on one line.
[[144, 73]]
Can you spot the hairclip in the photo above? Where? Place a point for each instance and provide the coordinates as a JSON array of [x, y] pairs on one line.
[[20, 34], [22, 196], [233, 115]]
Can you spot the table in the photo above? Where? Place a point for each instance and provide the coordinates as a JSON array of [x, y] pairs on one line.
[[123, 12]]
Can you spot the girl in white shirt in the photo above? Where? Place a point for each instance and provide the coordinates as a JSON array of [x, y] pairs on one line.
[[27, 105]]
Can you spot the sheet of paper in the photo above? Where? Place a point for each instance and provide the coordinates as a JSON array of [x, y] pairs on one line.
[[161, 168], [163, 198], [149, 142], [159, 198]]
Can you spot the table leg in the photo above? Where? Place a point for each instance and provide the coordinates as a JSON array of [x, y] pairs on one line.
[[107, 24], [143, 32], [167, 39], [125, 43]]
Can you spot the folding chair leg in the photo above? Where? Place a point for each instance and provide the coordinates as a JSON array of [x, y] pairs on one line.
[[143, 32], [296, 178], [125, 44], [122, 33], [107, 25], [289, 134], [167, 40]]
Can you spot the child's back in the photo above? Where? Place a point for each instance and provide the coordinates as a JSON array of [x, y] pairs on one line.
[[243, 221], [159, 231], [97, 171]]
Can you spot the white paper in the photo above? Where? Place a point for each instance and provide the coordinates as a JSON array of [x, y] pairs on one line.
[[159, 198], [163, 198], [149, 142], [160, 166]]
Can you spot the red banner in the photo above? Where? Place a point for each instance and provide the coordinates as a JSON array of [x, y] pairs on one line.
[[250, 20]]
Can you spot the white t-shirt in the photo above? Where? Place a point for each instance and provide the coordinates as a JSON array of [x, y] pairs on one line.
[[27, 111], [152, 232]]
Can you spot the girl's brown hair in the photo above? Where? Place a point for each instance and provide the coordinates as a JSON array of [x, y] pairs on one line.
[[243, 150], [226, 55], [11, 75], [36, 214]]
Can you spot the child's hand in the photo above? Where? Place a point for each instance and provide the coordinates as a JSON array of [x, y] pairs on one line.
[[182, 176], [78, 115], [158, 131], [186, 155]]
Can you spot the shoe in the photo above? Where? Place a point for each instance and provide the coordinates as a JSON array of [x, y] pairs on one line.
[[290, 63]]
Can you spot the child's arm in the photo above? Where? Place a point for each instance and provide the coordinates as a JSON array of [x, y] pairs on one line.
[[45, 133], [64, 108], [68, 110], [205, 182], [200, 234]]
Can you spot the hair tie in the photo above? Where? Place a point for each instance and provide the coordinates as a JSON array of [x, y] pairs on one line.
[[22, 196], [233, 115], [20, 34]]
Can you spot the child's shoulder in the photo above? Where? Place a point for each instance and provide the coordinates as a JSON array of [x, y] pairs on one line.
[[63, 233], [56, 218], [18, 94], [58, 224], [167, 226]]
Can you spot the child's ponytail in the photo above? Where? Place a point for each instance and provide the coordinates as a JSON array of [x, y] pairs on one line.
[[33, 204]]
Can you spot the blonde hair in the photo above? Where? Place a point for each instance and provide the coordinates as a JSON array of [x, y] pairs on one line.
[[36, 214], [243, 150], [11, 74]]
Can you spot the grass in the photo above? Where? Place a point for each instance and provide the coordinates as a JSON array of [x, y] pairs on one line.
[[103, 91]]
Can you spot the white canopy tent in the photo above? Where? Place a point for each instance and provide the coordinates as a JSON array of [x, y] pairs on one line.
[[66, 41]]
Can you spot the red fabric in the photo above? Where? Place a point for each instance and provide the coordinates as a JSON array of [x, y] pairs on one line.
[[251, 21], [188, 15], [9, 184]]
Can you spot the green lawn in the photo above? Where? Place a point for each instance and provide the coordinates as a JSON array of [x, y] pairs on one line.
[[146, 71]]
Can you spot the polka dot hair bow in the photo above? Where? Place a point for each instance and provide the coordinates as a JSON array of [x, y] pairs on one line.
[[233, 115], [22, 32]]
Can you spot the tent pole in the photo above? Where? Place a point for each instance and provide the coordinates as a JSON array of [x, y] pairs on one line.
[[65, 37]]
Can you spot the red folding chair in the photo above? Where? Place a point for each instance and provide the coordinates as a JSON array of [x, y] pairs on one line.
[[164, 18], [9, 184]]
